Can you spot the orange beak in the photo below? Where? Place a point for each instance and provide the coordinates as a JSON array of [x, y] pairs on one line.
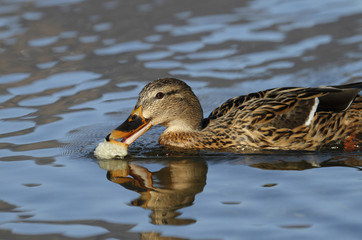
[[132, 128]]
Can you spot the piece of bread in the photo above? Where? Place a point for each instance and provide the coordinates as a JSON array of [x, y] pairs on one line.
[[111, 149]]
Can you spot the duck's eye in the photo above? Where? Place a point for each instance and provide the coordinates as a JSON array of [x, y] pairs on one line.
[[160, 95]]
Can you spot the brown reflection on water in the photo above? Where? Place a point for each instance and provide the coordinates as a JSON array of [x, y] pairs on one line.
[[306, 162], [165, 191]]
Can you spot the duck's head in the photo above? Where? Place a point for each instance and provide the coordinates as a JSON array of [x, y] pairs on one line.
[[169, 102]]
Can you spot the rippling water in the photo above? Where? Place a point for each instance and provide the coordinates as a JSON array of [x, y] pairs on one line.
[[71, 70]]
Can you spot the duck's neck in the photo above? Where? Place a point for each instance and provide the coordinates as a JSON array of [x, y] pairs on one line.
[[184, 129], [186, 125], [180, 133], [180, 139]]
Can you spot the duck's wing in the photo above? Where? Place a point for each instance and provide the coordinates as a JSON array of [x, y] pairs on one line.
[[234, 103], [231, 105], [293, 107], [238, 103]]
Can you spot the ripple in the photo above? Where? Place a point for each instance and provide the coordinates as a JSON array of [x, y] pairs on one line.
[[11, 33], [4, 98], [183, 15], [77, 57], [68, 34], [351, 40], [164, 27], [12, 26], [55, 81], [109, 41], [68, 230], [163, 64], [60, 49], [204, 24], [154, 55], [38, 101], [42, 42], [189, 30], [100, 27], [213, 19], [246, 60], [46, 65], [153, 38], [33, 16], [46, 3], [210, 74], [89, 39], [212, 54], [242, 32], [9, 9], [81, 87], [13, 77], [10, 21], [15, 112], [123, 48], [186, 47], [14, 126], [300, 14], [49, 151]]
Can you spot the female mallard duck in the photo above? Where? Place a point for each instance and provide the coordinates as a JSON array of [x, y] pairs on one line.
[[290, 118]]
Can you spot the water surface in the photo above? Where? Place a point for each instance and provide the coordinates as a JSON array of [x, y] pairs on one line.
[[71, 70]]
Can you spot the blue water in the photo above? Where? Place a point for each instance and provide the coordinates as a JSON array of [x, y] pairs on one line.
[[71, 71]]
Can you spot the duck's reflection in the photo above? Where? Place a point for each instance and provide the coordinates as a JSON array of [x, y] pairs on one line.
[[175, 185], [303, 162], [164, 191]]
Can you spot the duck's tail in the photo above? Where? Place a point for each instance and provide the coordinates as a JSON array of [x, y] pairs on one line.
[[341, 99], [357, 85]]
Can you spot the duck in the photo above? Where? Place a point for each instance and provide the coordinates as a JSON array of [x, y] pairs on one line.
[[286, 118]]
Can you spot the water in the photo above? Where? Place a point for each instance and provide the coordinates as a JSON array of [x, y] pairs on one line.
[[71, 70]]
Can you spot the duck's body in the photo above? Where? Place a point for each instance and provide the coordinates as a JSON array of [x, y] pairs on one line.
[[280, 118]]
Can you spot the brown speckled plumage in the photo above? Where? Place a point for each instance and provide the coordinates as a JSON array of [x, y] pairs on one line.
[[280, 118]]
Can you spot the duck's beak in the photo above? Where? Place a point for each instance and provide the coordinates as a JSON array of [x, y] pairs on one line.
[[135, 125]]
